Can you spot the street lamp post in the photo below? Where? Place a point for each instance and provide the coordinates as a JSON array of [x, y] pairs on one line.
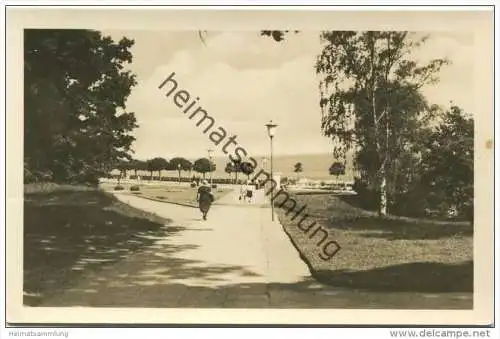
[[271, 129], [210, 157], [179, 171]]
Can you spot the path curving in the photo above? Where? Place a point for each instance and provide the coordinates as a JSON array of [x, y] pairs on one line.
[[236, 258]]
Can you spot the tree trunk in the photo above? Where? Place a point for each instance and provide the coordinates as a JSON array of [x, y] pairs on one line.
[[386, 161], [383, 195], [385, 174], [381, 179]]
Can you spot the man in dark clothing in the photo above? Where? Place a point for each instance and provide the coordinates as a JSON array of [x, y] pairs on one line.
[[205, 198]]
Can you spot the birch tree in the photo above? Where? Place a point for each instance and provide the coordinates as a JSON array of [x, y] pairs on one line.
[[370, 98]]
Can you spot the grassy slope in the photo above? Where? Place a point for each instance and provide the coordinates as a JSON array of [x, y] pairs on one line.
[[381, 254], [69, 231]]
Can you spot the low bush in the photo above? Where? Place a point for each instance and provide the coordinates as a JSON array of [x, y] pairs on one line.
[[119, 188], [193, 184], [417, 202], [135, 188]]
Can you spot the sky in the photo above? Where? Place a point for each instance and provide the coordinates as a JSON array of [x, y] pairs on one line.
[[243, 80]]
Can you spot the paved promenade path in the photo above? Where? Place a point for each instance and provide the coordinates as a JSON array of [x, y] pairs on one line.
[[237, 258]]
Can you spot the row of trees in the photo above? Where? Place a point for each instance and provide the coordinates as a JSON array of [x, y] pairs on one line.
[[203, 166], [158, 164]]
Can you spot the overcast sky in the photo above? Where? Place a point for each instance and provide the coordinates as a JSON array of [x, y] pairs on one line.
[[243, 80]]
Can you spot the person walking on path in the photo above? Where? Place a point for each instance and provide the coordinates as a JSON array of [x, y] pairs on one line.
[[205, 198], [249, 188], [243, 193]]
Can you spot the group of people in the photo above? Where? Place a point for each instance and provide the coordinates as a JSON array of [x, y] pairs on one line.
[[247, 191]]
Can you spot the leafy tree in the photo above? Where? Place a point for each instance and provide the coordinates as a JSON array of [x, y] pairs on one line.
[[371, 99], [123, 166], [138, 165], [337, 168], [180, 164], [448, 162], [203, 166], [75, 88], [163, 164], [126, 165], [236, 169], [157, 164], [247, 168], [150, 166], [229, 168], [297, 168]]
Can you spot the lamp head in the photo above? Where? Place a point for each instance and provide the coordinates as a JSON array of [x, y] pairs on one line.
[[271, 128]]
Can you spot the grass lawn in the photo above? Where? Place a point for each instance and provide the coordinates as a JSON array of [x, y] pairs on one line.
[[183, 195], [381, 254], [71, 230]]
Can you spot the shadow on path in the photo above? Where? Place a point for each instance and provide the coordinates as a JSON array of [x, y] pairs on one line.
[[68, 234], [151, 270], [147, 293]]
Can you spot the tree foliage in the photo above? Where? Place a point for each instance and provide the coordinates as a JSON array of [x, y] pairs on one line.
[[371, 103], [247, 168], [138, 165], [297, 168], [203, 166], [276, 35], [371, 99], [229, 169], [337, 168], [447, 165], [75, 90], [235, 167], [157, 164], [180, 164]]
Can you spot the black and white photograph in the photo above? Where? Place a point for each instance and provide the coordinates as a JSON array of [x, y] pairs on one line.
[[286, 168]]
